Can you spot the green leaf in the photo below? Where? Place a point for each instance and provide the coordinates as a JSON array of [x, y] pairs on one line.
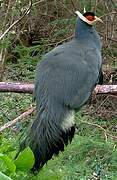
[[25, 160], [8, 162], [4, 177]]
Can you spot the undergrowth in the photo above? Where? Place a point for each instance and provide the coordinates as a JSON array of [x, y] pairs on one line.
[[92, 155], [89, 156]]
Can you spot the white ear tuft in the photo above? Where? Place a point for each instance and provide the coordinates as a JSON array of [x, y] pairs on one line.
[[84, 9], [82, 17]]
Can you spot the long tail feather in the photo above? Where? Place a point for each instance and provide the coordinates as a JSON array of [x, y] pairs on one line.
[[49, 136], [49, 133]]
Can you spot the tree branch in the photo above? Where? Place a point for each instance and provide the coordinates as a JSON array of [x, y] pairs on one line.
[[28, 88], [13, 122], [16, 87], [106, 89]]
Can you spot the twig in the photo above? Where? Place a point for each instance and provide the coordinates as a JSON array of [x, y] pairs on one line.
[[65, 7], [7, 14], [17, 21], [111, 39], [102, 103], [38, 2], [113, 12], [73, 4], [14, 121], [100, 127]]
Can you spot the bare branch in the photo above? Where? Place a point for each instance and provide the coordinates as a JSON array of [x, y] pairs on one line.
[[111, 39], [14, 121], [105, 89], [16, 87], [17, 21], [113, 12], [38, 2], [28, 88]]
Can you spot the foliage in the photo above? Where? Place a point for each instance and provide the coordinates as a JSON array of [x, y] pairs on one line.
[[25, 160], [9, 165], [4, 177], [53, 20], [89, 156]]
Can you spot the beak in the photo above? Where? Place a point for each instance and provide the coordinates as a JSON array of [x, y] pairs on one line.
[[98, 19]]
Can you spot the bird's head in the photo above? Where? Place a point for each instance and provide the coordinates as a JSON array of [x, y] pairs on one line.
[[85, 31], [88, 17]]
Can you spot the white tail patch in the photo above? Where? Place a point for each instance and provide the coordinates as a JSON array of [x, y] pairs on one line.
[[69, 120]]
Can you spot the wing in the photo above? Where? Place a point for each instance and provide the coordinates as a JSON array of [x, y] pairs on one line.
[[84, 77], [68, 75]]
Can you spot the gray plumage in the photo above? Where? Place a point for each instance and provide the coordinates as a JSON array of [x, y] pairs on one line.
[[64, 81]]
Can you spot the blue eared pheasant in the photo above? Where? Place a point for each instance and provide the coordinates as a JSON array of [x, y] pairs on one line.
[[65, 79]]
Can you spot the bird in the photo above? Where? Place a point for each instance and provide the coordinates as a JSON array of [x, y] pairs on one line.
[[64, 81]]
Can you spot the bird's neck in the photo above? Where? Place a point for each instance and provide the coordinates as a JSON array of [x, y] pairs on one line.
[[87, 34]]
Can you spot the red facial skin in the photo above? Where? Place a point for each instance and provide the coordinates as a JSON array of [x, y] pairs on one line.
[[90, 17]]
